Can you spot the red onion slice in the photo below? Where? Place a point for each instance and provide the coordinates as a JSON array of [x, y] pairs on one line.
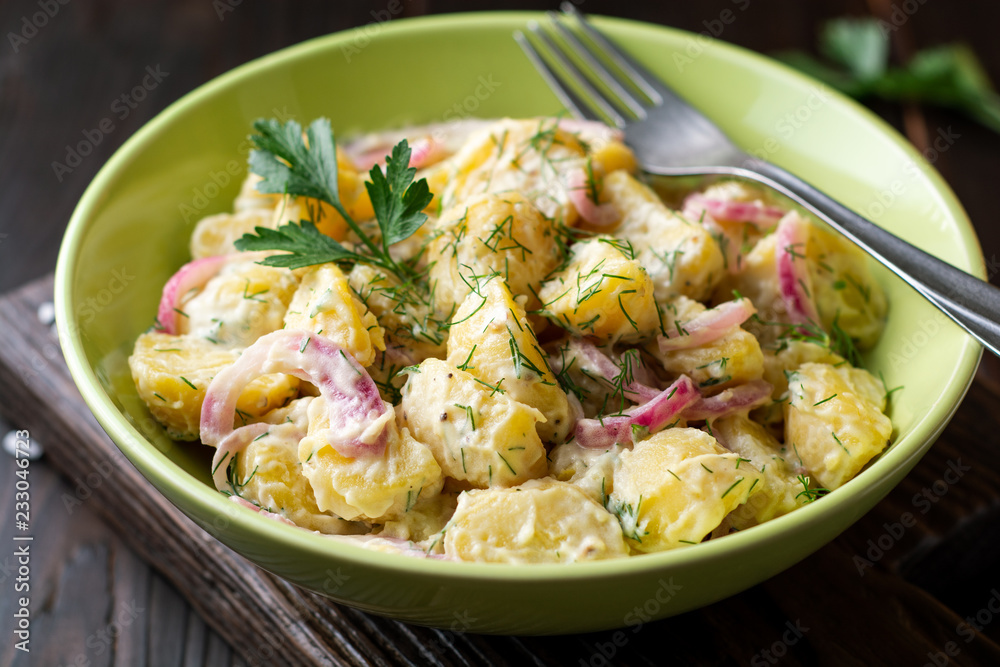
[[640, 421], [592, 359], [359, 418], [424, 151], [598, 215], [754, 212], [708, 326], [192, 275], [794, 281], [742, 398]]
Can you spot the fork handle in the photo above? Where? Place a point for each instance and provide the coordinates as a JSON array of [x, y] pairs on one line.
[[972, 303]]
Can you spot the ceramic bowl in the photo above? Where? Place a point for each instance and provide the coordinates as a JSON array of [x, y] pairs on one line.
[[130, 232]]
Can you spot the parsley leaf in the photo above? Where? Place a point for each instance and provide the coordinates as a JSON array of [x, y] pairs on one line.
[[307, 167], [398, 205], [289, 166], [306, 245]]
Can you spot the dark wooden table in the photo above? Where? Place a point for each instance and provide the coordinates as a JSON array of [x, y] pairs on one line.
[[60, 79]]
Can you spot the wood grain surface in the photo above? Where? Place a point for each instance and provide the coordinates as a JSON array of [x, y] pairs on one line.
[[105, 593]]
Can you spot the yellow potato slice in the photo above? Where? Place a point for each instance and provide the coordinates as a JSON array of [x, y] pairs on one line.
[[676, 487], [538, 522], [325, 304], [603, 292], [244, 301], [367, 487], [681, 256], [834, 421], [171, 374], [268, 473], [478, 435], [779, 492], [491, 233], [492, 339]]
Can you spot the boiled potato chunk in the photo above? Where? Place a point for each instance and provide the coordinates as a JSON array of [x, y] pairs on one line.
[[779, 492], [590, 470], [402, 311], [171, 374], [491, 233], [603, 292], [531, 156], [834, 421], [325, 304], [842, 288], [675, 487], [539, 522], [845, 291], [477, 435], [725, 362], [369, 487], [268, 474], [492, 339], [681, 256], [215, 234], [424, 520], [244, 301]]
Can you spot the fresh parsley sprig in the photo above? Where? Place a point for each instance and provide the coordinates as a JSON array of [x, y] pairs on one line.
[[289, 164], [856, 62]]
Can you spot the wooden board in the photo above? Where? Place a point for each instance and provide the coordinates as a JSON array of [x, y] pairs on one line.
[[905, 608]]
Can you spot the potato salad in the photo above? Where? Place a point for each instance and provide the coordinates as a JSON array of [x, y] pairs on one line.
[[495, 341]]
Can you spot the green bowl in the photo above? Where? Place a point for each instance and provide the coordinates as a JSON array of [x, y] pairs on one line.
[[130, 233]]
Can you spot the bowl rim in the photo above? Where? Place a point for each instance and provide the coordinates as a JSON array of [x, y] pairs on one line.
[[155, 464]]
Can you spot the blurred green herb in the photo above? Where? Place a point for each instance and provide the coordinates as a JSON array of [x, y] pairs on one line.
[[856, 53]]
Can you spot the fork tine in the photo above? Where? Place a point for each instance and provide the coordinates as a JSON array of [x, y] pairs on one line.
[[595, 99], [598, 69], [639, 75], [565, 94]]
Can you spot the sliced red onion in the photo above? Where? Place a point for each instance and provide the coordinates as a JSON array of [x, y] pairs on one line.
[[424, 151], [794, 281], [742, 398], [591, 358], [707, 326], [640, 421], [598, 215], [192, 275], [359, 418], [754, 212]]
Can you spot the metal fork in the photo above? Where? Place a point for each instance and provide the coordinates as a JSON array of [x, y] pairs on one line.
[[671, 138]]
